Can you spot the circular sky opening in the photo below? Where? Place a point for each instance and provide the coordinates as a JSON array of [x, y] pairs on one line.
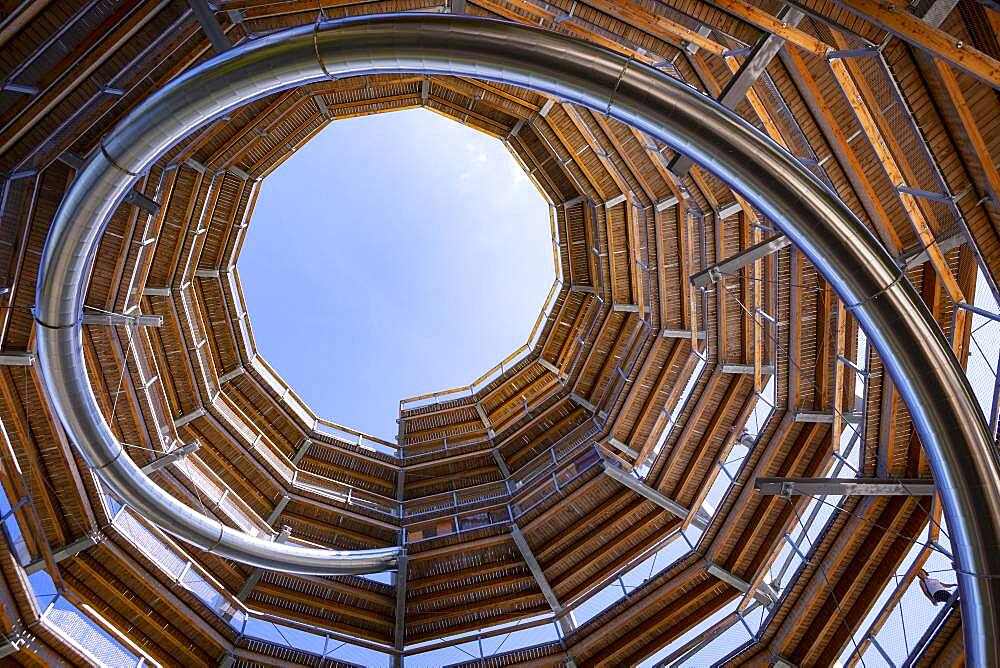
[[393, 255]]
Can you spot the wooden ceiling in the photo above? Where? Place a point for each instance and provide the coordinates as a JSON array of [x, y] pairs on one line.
[[508, 494]]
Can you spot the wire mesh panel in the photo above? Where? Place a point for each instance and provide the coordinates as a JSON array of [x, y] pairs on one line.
[[152, 546], [83, 632]]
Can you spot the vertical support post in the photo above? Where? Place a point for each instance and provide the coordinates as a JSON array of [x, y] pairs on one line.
[[838, 375], [399, 629], [400, 577]]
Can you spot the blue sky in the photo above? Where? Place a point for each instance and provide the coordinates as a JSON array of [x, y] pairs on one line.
[[418, 255]]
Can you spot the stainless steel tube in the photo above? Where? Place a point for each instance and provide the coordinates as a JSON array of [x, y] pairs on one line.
[[948, 420]]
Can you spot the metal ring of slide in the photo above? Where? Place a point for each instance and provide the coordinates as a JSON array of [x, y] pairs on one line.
[[951, 426]]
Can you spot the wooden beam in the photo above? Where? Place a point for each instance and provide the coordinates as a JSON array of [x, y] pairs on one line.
[[850, 164], [897, 20], [658, 26], [888, 161], [756, 16], [971, 127]]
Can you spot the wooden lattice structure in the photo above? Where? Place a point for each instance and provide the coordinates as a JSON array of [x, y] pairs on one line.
[[522, 496]]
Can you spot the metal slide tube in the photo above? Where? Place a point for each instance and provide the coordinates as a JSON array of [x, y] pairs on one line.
[[933, 384]]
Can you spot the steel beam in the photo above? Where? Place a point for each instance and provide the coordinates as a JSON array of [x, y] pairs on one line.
[[399, 625], [11, 87], [485, 420], [236, 171], [765, 594], [732, 264], [255, 576], [501, 463], [760, 57], [206, 17], [825, 417], [25, 358], [229, 375], [278, 509], [681, 334], [576, 398], [978, 311], [174, 455], [71, 160], [189, 417], [766, 369], [844, 486], [565, 621], [618, 445], [140, 201], [109, 319], [65, 552], [9, 645], [301, 452], [727, 211], [321, 105], [620, 475], [548, 365]]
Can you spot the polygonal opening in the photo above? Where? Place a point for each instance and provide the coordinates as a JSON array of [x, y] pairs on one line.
[[393, 255]]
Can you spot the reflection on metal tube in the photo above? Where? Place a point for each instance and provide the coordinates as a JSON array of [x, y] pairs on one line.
[[951, 427]]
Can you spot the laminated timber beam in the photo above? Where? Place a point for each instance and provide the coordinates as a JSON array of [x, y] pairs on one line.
[[87, 59], [16, 18], [770, 23], [661, 27], [856, 90], [972, 130], [844, 486], [840, 145], [898, 21]]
